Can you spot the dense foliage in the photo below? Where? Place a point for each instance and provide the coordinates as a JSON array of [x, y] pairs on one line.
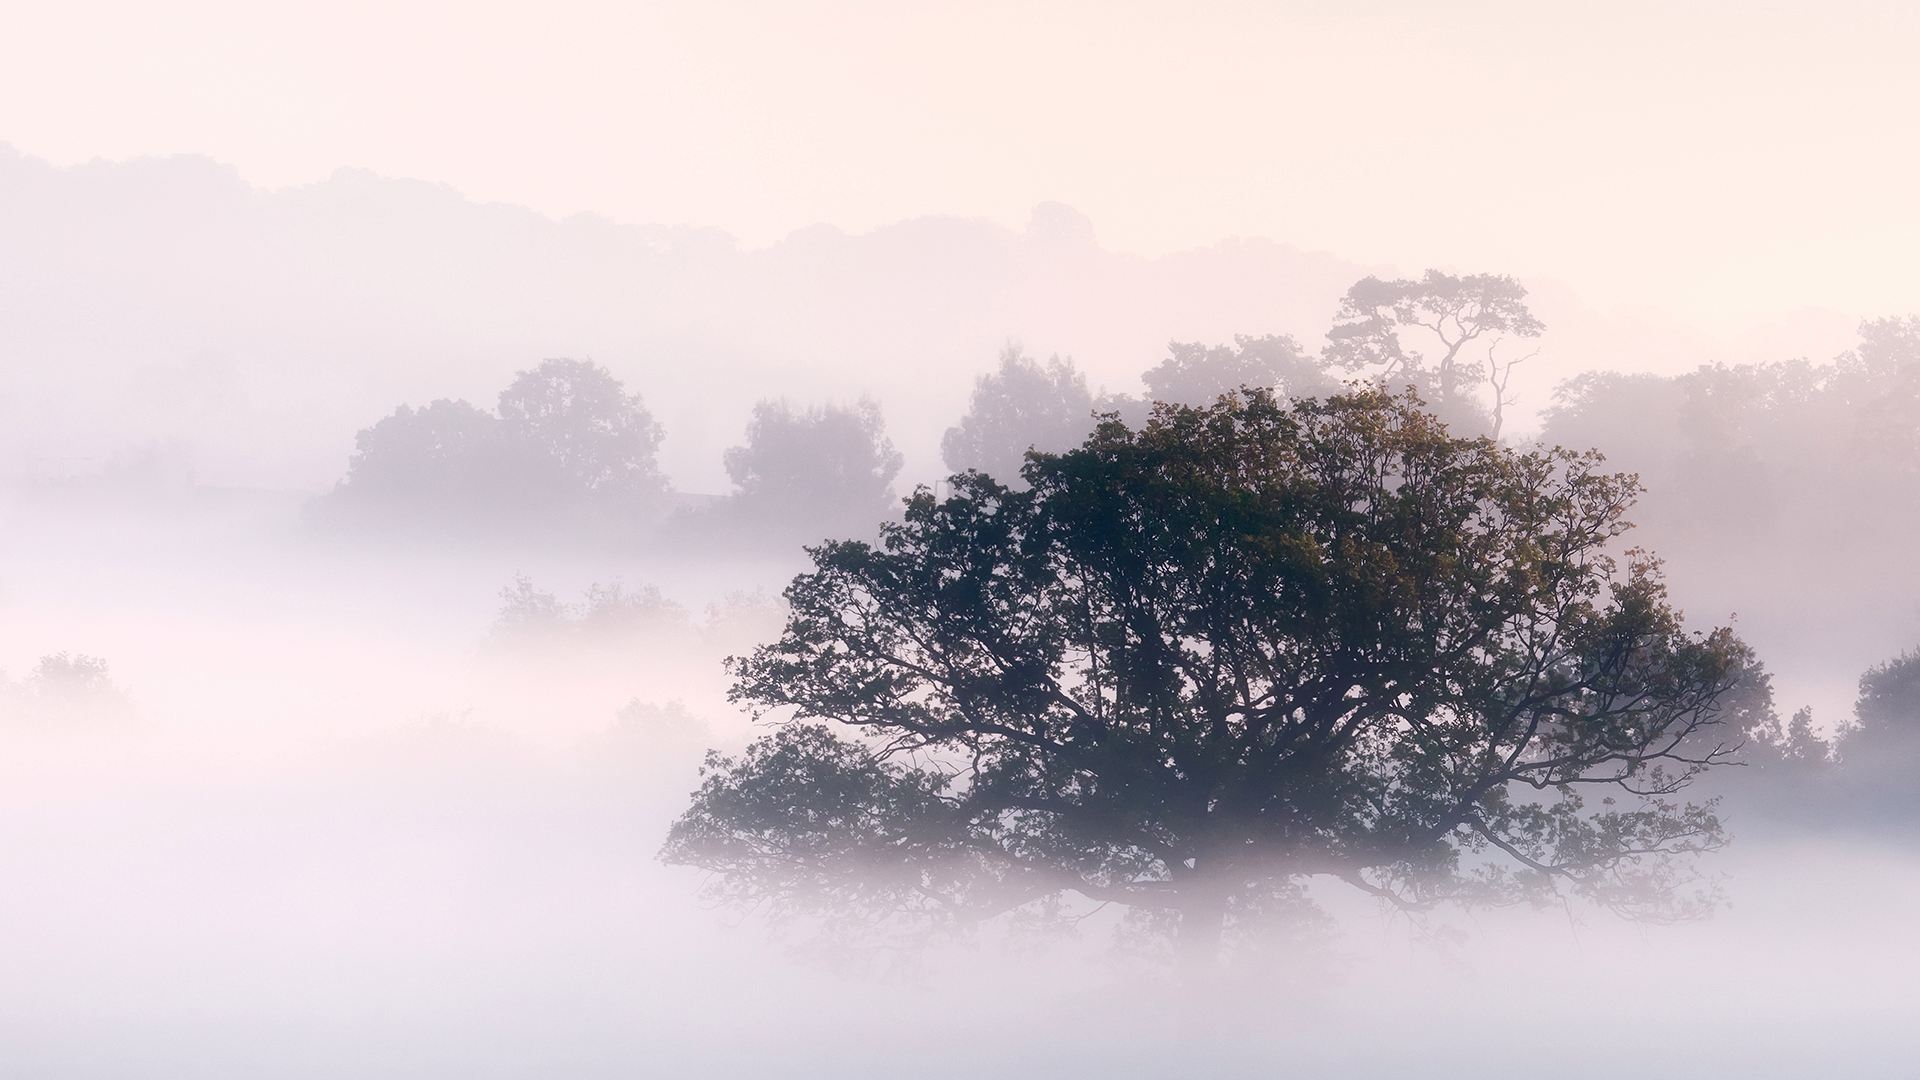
[[1193, 664], [568, 445], [1021, 405], [807, 473]]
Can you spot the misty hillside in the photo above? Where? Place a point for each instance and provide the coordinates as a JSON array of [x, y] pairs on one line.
[[167, 300], [163, 315], [837, 539]]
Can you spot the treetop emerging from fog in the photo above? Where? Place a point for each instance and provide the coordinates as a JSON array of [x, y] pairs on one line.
[[567, 439], [1192, 664], [1392, 328]]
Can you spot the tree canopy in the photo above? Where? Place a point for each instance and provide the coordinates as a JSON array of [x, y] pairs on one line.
[[1442, 334], [444, 452], [568, 440], [1197, 374], [1799, 474], [1021, 405], [1732, 445], [813, 471], [1885, 735], [1192, 665], [576, 415]]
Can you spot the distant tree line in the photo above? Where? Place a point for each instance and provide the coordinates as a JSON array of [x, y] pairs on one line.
[[1793, 485], [1803, 474], [569, 449], [1766, 448], [1191, 664], [1453, 340], [1856, 778], [1291, 613], [565, 440]]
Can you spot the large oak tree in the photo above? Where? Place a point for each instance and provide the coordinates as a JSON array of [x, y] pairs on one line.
[[1193, 665]]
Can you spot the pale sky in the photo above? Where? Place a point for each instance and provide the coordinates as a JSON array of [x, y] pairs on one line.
[[1723, 161]]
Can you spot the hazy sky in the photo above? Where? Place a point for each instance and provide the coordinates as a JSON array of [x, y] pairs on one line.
[[1722, 160]]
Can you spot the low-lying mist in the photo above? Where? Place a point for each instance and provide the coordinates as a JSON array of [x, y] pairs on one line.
[[721, 539], [327, 809]]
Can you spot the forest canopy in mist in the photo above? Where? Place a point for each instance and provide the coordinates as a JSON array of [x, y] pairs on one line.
[[1219, 540]]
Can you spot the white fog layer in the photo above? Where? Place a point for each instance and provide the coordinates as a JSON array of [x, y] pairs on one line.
[[1044, 540]]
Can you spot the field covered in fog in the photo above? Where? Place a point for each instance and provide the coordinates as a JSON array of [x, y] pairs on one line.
[[391, 807], [333, 822], [837, 539]]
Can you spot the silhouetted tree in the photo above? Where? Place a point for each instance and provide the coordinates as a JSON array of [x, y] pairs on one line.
[[447, 453], [1383, 326], [1788, 770], [812, 472], [1635, 418], [1861, 781], [1195, 374], [1884, 741], [1194, 664], [1771, 461], [1130, 409], [570, 448], [1697, 440], [578, 416], [1019, 406]]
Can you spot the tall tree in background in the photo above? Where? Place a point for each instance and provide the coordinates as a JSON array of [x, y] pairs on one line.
[[1019, 406], [444, 455], [569, 448], [1444, 335], [1193, 665], [1883, 374], [576, 415], [1885, 736], [816, 471], [1790, 448], [1196, 374]]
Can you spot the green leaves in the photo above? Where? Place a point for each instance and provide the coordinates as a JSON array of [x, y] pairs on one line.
[[1251, 642]]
